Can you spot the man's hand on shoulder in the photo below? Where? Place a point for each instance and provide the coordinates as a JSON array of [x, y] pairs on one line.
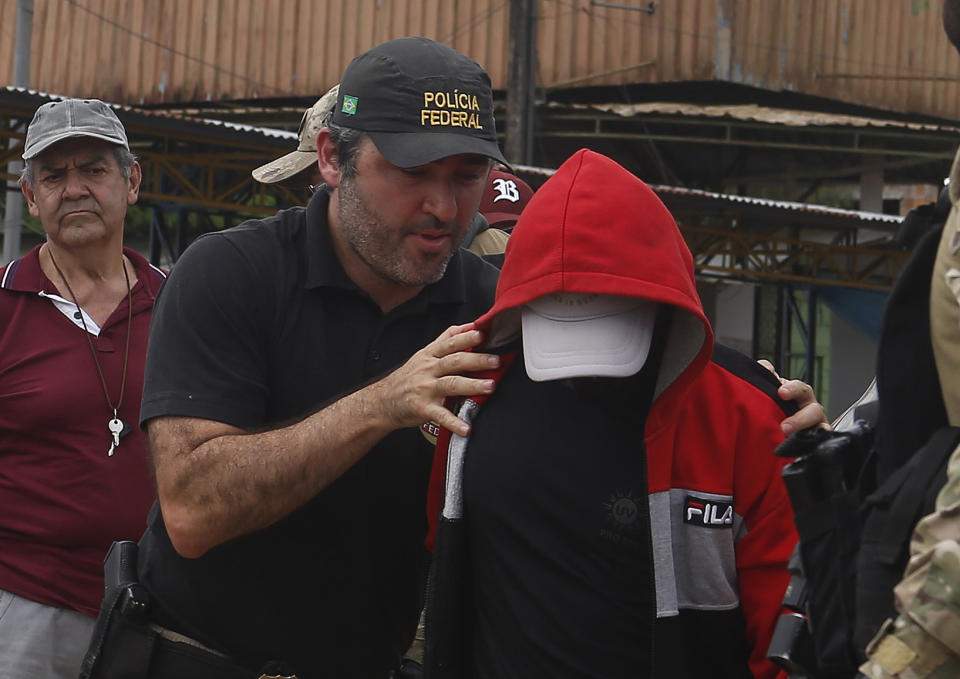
[[217, 482], [415, 392]]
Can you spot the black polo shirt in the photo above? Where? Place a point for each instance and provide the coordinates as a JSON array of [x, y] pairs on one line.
[[258, 326]]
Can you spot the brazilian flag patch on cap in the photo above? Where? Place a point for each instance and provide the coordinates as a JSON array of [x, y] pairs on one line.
[[349, 105]]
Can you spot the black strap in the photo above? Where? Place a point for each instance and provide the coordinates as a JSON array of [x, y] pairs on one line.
[[108, 609], [919, 480]]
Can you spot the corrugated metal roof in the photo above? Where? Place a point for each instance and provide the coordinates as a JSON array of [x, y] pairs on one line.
[[760, 114], [857, 215], [889, 54], [824, 210], [247, 129], [852, 215]]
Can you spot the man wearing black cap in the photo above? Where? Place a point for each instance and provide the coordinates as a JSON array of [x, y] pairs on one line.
[[296, 367]]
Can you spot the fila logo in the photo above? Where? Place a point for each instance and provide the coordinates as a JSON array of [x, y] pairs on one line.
[[506, 190], [707, 513]]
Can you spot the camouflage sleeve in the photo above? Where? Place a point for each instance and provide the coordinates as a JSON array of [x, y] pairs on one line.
[[924, 641], [929, 593]]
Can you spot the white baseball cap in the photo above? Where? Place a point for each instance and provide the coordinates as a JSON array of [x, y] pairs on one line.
[[582, 335]]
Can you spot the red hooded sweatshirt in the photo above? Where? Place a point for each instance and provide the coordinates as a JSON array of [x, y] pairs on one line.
[[720, 521]]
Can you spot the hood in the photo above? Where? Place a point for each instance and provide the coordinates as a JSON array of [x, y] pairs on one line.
[[594, 227]]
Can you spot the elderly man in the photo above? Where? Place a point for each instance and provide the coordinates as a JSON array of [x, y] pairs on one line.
[[74, 318]]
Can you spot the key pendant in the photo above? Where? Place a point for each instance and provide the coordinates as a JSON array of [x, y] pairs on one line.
[[116, 426]]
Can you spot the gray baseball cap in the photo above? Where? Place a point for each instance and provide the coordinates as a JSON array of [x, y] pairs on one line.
[[59, 120]]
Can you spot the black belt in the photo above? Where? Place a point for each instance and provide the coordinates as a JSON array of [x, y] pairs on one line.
[[127, 644]]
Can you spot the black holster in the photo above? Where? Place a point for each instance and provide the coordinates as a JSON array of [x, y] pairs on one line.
[[125, 645], [122, 613]]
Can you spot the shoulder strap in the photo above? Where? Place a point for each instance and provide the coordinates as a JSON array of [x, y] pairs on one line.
[[889, 517], [911, 406], [911, 491]]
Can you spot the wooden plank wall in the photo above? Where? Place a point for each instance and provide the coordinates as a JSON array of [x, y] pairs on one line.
[[889, 54], [886, 53], [153, 51]]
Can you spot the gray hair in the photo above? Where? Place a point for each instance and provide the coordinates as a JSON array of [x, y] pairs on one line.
[[347, 141], [125, 161]]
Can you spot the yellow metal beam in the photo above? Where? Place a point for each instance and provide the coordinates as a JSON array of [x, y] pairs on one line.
[[759, 256]]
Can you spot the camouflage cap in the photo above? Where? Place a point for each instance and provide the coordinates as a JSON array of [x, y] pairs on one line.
[[287, 166]]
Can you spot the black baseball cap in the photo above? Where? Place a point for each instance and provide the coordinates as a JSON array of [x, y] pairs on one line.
[[419, 101]]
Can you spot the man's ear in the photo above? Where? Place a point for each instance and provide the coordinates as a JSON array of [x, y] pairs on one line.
[[31, 197], [133, 190], [327, 159]]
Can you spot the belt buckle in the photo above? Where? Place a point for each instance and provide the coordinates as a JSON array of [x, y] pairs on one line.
[[277, 670]]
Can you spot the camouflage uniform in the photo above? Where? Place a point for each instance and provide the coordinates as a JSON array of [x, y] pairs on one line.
[[944, 298], [924, 641]]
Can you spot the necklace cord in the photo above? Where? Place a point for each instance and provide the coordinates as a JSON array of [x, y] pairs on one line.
[[93, 351]]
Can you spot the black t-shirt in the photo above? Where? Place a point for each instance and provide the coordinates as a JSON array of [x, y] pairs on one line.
[[259, 326], [558, 523]]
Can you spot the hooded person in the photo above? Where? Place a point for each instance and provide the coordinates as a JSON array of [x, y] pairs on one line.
[[617, 509]]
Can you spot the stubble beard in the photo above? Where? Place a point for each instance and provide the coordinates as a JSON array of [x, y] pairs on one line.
[[382, 250]]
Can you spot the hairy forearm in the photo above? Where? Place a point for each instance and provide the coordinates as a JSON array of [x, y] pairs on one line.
[[216, 482]]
